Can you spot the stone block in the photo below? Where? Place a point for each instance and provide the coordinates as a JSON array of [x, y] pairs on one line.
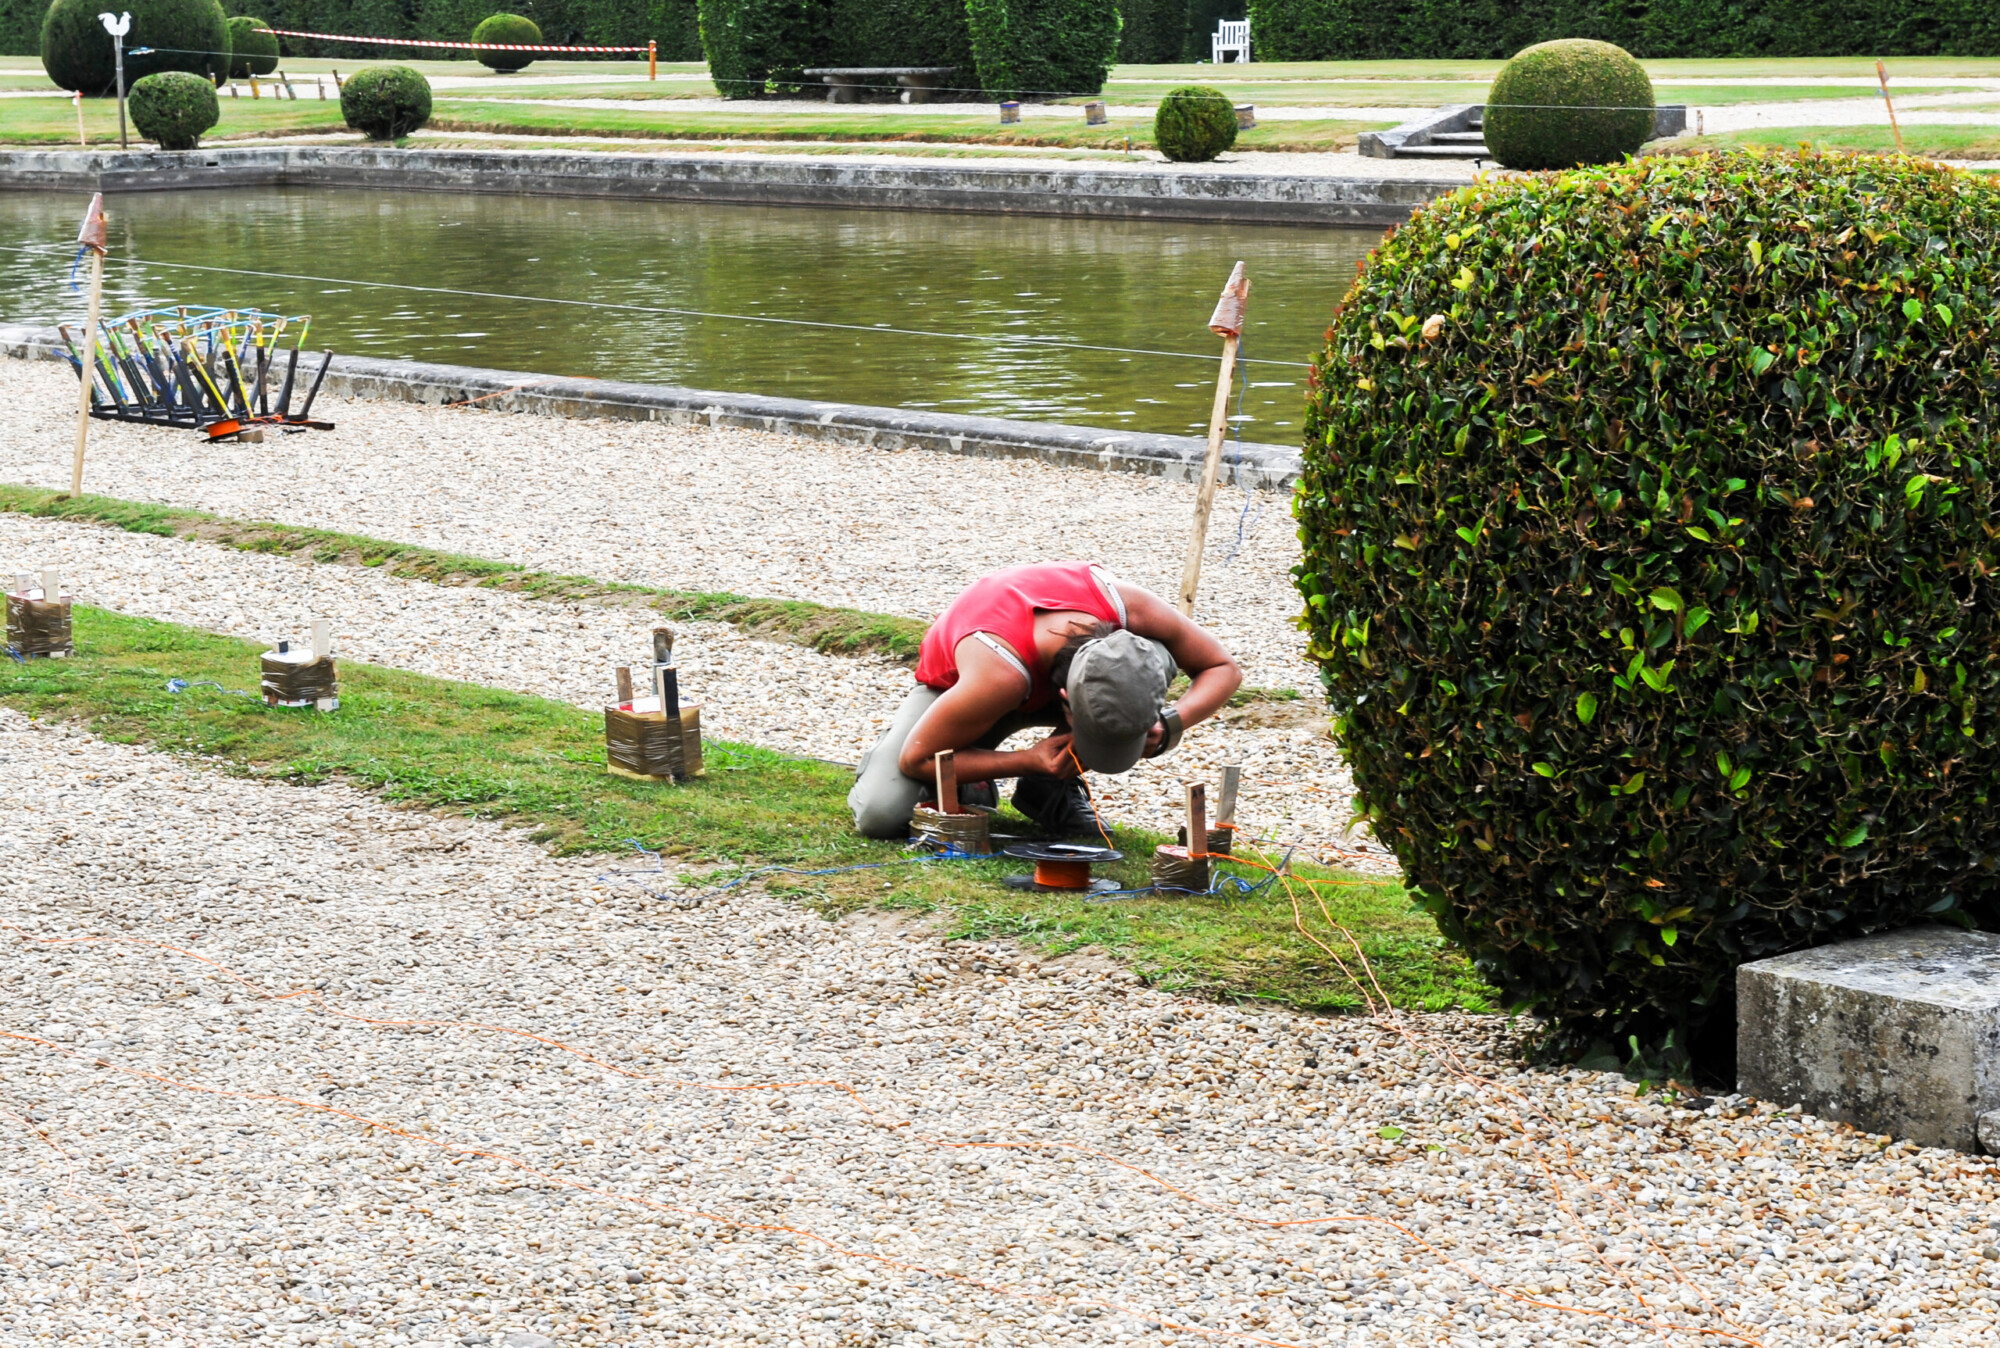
[[1897, 1033]]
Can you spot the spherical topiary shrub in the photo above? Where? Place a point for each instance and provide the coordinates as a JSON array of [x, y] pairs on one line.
[[189, 35], [1194, 124], [1648, 563], [1562, 104], [253, 48], [384, 102], [513, 30], [173, 109]]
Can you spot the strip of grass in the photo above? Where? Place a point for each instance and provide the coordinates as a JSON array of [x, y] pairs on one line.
[[52, 121], [662, 119], [824, 628], [833, 631], [452, 746], [1926, 142]]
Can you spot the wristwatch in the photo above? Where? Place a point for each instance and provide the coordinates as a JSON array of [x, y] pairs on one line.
[[1170, 721]]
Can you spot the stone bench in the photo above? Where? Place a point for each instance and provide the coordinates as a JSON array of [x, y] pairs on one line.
[[1897, 1033], [846, 84]]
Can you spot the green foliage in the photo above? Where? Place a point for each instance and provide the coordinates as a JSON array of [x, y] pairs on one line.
[[385, 102], [615, 23], [253, 48], [674, 24], [173, 108], [1194, 124], [758, 47], [1038, 49], [1348, 30], [188, 35], [1152, 31], [1649, 567], [1568, 103], [513, 30]]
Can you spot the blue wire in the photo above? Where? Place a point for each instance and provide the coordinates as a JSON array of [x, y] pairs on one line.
[[624, 877], [182, 685]]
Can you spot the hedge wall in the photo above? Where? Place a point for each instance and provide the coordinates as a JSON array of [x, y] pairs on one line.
[[621, 23], [1043, 48], [1344, 30], [758, 46]]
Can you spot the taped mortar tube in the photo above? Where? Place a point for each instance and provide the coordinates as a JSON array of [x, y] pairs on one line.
[[666, 679]]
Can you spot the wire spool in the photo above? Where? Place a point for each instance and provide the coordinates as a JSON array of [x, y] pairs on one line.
[[647, 744], [38, 629], [1218, 838], [294, 678], [1061, 868], [970, 832], [1174, 870]]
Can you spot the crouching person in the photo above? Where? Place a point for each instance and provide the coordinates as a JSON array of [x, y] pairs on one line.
[[1060, 645]]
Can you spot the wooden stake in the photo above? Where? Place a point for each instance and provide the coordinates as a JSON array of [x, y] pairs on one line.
[[1228, 322], [624, 675], [89, 368], [1882, 75], [1232, 777], [652, 59], [947, 782], [77, 98], [1197, 820]]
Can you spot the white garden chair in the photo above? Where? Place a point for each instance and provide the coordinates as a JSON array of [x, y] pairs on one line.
[[1231, 40]]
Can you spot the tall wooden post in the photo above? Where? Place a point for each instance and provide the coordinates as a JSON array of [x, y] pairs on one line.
[[92, 237], [1227, 322], [1882, 77]]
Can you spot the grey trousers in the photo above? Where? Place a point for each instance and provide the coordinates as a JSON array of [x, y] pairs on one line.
[[883, 798]]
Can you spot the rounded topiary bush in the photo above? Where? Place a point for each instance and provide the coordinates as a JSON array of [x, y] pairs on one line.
[[1649, 565], [173, 109], [1568, 103], [513, 30], [384, 102], [253, 48], [189, 35], [1194, 124]]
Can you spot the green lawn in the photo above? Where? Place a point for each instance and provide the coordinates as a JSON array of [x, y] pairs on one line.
[[1929, 142], [477, 107], [539, 764]]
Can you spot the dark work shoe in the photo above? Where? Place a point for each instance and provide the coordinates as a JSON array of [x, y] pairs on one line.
[[971, 795], [1061, 808]]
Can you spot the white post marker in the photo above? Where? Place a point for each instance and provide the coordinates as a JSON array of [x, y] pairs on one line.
[[91, 237], [1227, 322], [118, 25], [322, 638], [77, 98]]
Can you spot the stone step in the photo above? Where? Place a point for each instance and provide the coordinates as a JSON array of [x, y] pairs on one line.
[[1476, 151], [1459, 138]]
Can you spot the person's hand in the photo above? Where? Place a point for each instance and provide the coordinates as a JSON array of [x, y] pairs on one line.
[[1155, 738], [1051, 757]]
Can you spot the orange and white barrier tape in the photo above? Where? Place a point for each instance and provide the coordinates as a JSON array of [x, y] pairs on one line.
[[455, 46]]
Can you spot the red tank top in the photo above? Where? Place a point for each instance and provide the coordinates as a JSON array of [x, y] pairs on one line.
[[1004, 604]]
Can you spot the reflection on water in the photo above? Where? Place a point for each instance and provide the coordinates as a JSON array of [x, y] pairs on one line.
[[996, 279]]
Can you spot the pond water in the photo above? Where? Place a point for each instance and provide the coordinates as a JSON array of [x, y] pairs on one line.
[[979, 286]]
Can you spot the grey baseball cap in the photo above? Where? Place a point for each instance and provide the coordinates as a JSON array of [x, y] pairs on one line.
[[1116, 686]]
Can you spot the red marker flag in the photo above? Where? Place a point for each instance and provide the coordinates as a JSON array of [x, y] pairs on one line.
[[1228, 318], [91, 235]]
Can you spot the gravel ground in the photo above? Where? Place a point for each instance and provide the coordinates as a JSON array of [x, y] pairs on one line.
[[221, 1126], [764, 692]]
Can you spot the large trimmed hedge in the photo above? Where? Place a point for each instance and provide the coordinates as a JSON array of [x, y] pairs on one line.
[[758, 47], [188, 35], [512, 30], [386, 102], [1349, 30], [1194, 124], [173, 109], [253, 48], [1647, 560], [1568, 103], [1043, 48]]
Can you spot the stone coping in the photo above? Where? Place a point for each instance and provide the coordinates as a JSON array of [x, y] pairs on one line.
[[1175, 457], [1161, 193]]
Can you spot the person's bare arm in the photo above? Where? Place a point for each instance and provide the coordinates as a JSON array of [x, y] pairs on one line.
[[987, 689], [1214, 670]]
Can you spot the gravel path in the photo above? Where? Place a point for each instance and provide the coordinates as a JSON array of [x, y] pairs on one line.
[[776, 694], [220, 1127]]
